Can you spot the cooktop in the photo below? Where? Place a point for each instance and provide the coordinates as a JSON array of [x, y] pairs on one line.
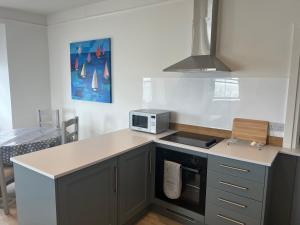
[[197, 140]]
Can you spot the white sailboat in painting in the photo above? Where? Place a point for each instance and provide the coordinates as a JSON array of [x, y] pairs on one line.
[[83, 71], [95, 81], [79, 50], [106, 72]]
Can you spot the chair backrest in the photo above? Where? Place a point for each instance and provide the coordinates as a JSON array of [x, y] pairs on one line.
[[70, 136], [49, 118]]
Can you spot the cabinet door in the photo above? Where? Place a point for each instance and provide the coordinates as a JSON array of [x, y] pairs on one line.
[[134, 188], [88, 196]]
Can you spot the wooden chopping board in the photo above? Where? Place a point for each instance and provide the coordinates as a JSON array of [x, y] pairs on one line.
[[250, 130]]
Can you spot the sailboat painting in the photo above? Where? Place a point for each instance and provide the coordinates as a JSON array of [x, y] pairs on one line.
[[91, 70]]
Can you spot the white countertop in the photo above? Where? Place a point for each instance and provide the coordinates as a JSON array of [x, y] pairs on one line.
[[239, 151], [289, 151], [65, 159]]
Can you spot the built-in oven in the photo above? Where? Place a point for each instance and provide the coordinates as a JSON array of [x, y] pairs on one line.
[[193, 173]]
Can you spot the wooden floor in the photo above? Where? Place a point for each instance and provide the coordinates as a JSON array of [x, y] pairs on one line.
[[10, 219], [155, 219], [150, 219]]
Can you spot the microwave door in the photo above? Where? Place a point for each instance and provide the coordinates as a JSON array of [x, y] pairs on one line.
[[140, 122]]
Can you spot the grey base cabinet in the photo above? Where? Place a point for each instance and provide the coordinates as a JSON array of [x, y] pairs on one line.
[[113, 192], [237, 192], [88, 197], [119, 191], [134, 184], [36, 200]]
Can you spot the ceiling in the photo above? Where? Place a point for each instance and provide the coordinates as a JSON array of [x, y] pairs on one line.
[[44, 7]]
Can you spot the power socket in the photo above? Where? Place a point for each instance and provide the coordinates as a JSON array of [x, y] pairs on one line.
[[276, 129]]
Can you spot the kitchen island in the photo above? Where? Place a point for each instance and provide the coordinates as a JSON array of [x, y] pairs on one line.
[[104, 180]]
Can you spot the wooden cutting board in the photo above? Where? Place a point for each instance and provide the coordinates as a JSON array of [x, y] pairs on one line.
[[250, 130]]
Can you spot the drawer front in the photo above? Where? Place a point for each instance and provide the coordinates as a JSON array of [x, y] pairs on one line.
[[219, 216], [235, 185], [237, 168], [241, 205]]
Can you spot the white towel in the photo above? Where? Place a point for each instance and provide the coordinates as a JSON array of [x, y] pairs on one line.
[[172, 179]]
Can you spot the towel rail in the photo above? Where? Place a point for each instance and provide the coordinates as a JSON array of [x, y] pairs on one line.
[[190, 169]]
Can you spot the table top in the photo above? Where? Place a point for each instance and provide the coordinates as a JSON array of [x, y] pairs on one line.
[[28, 135]]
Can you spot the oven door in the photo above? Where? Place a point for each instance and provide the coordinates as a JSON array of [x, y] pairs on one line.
[[193, 170], [140, 121]]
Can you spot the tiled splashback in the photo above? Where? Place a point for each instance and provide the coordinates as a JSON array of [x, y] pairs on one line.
[[214, 102]]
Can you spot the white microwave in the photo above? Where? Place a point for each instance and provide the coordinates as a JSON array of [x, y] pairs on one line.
[[149, 120]]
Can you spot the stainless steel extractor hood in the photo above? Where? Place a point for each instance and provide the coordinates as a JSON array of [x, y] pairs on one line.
[[204, 41]]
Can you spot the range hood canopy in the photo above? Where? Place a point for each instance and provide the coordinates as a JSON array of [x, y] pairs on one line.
[[204, 41]]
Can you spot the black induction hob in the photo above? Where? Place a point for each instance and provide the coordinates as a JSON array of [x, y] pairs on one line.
[[197, 140]]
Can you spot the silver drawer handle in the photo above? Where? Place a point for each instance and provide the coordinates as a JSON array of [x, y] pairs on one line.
[[234, 168], [233, 185], [232, 203], [230, 220]]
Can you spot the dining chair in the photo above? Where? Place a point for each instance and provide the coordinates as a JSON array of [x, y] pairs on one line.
[[49, 118], [6, 167], [6, 178], [70, 130]]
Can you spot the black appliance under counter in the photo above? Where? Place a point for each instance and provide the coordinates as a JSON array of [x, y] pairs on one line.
[[197, 140], [215, 190], [194, 172]]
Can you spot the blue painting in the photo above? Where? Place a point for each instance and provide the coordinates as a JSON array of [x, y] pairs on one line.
[[91, 70]]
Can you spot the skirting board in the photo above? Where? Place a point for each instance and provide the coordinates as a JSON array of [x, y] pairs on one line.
[[272, 140]]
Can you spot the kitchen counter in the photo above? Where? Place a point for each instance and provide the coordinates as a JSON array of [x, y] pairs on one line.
[[289, 151], [65, 159], [239, 151]]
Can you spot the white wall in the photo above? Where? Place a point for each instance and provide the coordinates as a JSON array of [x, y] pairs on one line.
[[28, 64], [256, 36], [5, 103], [207, 102], [254, 39], [140, 45]]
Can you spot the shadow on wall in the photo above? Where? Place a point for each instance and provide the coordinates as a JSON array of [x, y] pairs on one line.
[[88, 128]]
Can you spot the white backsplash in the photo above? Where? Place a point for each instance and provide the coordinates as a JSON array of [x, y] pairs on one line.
[[215, 102]]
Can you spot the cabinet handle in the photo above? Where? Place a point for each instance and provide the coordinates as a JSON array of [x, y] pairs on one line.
[[150, 163], [234, 168], [232, 203], [116, 179], [233, 185], [230, 220]]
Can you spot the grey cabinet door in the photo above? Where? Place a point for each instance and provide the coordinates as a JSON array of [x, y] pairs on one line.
[[88, 196], [134, 188]]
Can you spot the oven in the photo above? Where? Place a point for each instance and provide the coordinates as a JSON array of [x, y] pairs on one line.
[[194, 174]]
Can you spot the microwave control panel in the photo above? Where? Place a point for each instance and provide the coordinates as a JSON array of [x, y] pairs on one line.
[[153, 124]]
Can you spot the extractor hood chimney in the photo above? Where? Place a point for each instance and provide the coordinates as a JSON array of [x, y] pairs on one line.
[[204, 41]]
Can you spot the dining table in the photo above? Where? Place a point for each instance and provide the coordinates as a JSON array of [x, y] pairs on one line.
[[14, 142]]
